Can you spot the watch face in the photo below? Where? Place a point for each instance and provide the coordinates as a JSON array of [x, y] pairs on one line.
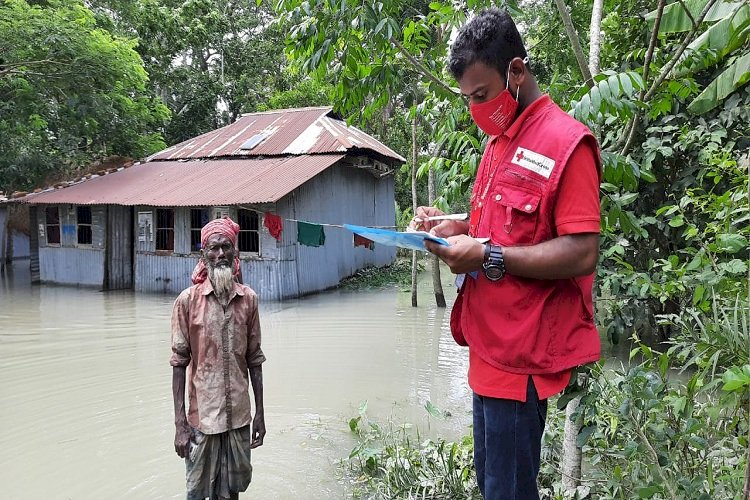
[[493, 273]]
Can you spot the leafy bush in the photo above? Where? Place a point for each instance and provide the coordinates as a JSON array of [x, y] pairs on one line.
[[651, 432], [392, 461], [398, 273]]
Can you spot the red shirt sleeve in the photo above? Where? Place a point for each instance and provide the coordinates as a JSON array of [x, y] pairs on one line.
[[577, 208]]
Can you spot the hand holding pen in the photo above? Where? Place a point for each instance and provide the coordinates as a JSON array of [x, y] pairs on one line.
[[436, 222]]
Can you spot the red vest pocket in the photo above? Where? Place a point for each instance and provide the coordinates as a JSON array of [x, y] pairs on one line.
[[515, 213]]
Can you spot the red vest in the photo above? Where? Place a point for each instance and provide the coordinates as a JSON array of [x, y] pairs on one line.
[[524, 325]]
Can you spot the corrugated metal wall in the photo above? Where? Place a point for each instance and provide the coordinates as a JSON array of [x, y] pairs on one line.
[[70, 263], [269, 273], [339, 195], [163, 273], [71, 266]]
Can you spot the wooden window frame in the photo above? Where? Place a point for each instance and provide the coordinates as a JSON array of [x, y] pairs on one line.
[[84, 225], [249, 235], [163, 230], [195, 231], [48, 225]]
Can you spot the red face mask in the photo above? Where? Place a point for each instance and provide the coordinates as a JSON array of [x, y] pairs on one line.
[[495, 116]]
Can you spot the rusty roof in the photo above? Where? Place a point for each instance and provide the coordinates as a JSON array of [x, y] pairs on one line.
[[299, 131], [193, 183]]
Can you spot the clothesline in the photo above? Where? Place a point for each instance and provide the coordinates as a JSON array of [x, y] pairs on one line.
[[340, 226]]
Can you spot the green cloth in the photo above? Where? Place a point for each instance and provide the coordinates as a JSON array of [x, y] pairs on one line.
[[311, 235]]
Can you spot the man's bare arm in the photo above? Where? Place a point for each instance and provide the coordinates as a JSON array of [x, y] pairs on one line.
[[182, 429], [559, 258], [259, 420]]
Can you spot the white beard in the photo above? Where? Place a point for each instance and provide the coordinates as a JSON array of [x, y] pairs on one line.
[[222, 280]]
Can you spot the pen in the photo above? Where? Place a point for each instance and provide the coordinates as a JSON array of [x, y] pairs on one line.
[[443, 217]]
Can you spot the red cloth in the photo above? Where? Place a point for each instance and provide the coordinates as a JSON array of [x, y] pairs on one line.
[[274, 224], [576, 211], [361, 241], [518, 325], [226, 227]]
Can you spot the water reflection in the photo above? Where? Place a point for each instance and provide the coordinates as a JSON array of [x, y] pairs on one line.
[[86, 388]]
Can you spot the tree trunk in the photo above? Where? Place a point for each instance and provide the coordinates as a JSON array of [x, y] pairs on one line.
[[595, 36], [4, 245], [437, 285], [746, 492], [573, 36], [414, 206], [571, 453]]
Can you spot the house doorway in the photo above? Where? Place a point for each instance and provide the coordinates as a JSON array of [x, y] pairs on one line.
[[118, 272]]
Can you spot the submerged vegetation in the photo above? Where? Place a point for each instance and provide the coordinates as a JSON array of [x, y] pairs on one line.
[[397, 274]]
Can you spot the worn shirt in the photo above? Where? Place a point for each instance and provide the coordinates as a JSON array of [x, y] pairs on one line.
[[218, 345]]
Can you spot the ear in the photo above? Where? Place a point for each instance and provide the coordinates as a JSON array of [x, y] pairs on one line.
[[518, 72]]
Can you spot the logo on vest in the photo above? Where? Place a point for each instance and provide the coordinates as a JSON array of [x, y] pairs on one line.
[[533, 161]]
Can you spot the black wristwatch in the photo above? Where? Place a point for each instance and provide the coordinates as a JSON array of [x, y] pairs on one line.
[[494, 265]]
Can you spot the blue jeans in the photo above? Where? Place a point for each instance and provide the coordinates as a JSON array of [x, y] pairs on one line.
[[507, 445]]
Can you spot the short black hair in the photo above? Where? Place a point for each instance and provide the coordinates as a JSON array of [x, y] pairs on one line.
[[491, 38]]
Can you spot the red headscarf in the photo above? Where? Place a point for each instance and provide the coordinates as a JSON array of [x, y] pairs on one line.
[[226, 227]]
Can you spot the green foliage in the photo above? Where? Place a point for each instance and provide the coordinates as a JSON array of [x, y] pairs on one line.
[[732, 78], [306, 93], [727, 35], [393, 461], [612, 95], [208, 60], [397, 274], [70, 92], [650, 433]]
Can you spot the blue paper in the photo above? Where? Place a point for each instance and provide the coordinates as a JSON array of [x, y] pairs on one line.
[[413, 240]]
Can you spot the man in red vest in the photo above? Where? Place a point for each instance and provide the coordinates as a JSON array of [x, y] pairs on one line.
[[525, 259]]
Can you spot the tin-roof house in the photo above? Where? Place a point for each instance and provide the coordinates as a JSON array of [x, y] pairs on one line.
[[139, 227]]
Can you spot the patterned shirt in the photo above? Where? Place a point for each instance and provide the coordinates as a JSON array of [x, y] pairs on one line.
[[217, 345]]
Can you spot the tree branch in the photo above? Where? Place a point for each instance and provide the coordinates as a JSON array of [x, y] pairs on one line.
[[627, 140], [687, 11], [665, 70], [654, 455], [422, 69], [676, 57], [9, 68], [573, 36]]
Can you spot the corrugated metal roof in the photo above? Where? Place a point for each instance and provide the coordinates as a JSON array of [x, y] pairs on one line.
[[193, 183], [287, 132]]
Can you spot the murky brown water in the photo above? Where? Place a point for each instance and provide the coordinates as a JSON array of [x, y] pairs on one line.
[[86, 406]]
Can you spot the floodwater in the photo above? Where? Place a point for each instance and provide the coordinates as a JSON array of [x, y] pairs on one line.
[[86, 405]]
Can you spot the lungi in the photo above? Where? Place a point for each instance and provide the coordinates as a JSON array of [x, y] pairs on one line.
[[218, 464]]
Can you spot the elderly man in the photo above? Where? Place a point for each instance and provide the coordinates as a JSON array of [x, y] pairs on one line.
[[216, 333]]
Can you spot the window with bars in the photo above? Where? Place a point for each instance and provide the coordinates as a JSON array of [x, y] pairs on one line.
[[83, 218], [52, 221], [198, 219], [164, 229], [248, 240]]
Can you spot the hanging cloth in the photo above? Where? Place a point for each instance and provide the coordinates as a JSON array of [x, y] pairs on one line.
[[274, 224], [311, 235], [361, 241]]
